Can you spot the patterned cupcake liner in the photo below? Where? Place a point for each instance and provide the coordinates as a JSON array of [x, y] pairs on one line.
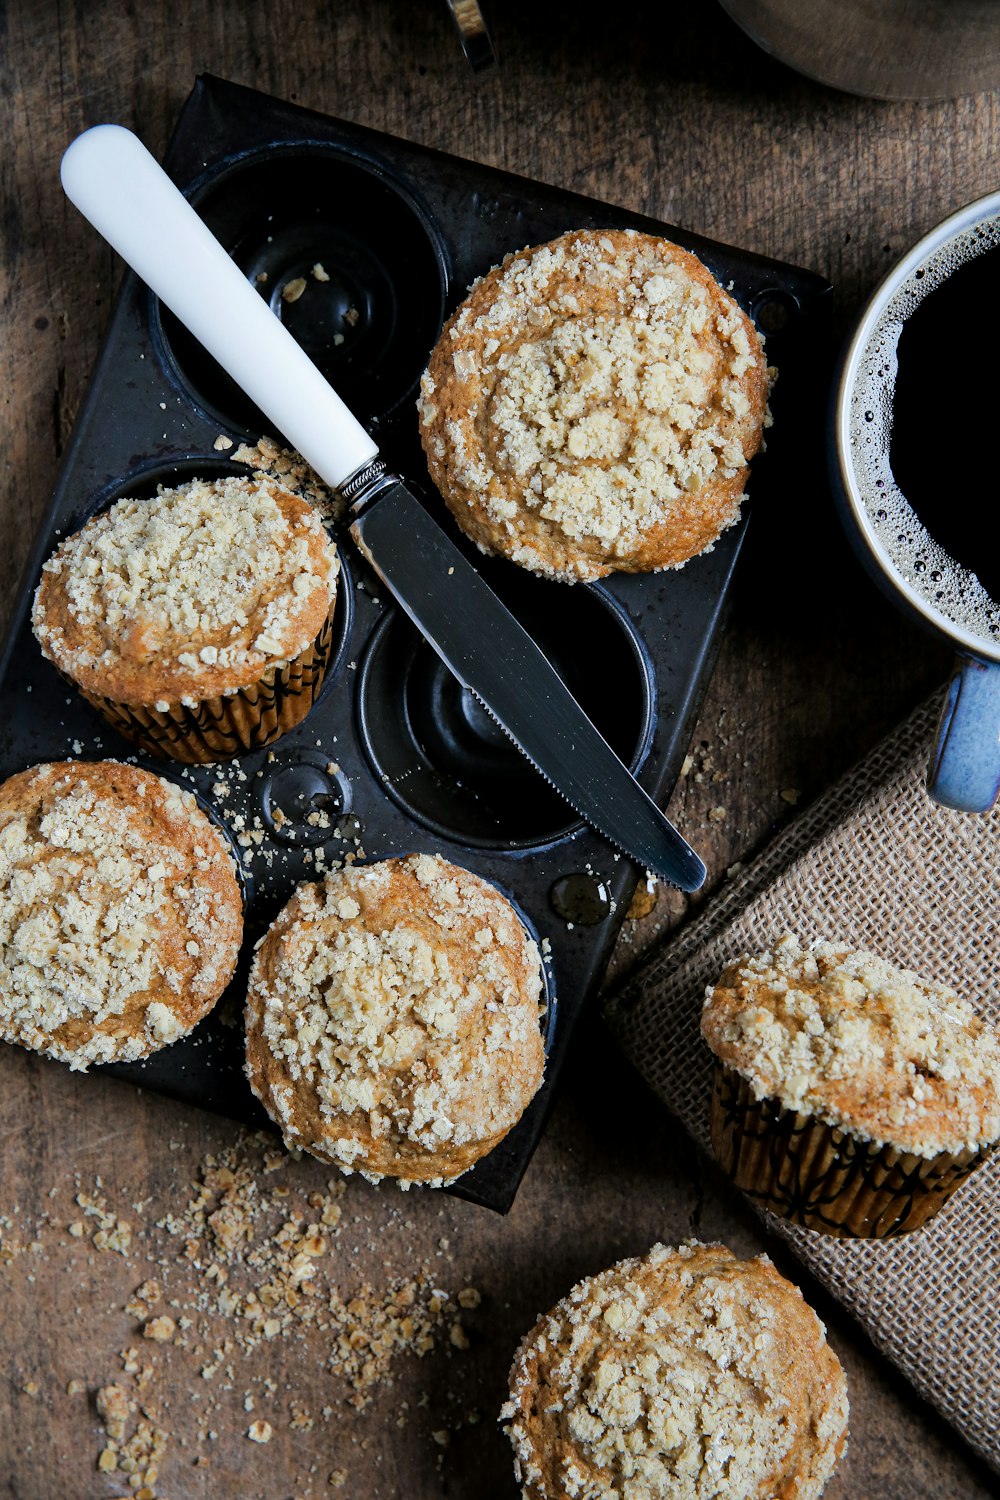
[[223, 727], [815, 1174]]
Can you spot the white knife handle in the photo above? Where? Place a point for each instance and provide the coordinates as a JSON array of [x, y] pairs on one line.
[[124, 192]]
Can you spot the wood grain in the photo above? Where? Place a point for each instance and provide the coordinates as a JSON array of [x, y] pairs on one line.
[[670, 111]]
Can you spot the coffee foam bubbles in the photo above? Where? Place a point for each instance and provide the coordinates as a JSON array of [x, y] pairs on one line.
[[949, 590]]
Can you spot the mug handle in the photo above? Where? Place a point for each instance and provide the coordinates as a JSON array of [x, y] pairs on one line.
[[964, 769]]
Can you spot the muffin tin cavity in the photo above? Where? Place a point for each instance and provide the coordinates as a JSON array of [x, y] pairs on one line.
[[393, 757], [444, 758], [346, 259]]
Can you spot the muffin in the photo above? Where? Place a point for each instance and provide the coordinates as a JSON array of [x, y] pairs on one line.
[[849, 1095], [393, 1019], [199, 622], [120, 912], [679, 1375], [592, 406]]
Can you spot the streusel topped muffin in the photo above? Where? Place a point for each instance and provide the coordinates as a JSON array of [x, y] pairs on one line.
[[848, 1095], [393, 1019], [120, 912], [593, 404], [683, 1374], [859, 1043], [198, 620]]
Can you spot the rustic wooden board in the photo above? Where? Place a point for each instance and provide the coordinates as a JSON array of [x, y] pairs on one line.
[[669, 113]]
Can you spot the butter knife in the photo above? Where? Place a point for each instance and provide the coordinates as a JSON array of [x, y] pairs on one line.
[[115, 182]]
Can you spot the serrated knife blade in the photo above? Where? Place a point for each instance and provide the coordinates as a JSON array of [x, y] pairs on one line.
[[491, 653], [115, 182]]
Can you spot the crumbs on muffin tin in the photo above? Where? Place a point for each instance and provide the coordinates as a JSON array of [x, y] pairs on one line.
[[269, 459]]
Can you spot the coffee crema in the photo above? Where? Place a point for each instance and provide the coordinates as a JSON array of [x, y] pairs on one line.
[[920, 429]]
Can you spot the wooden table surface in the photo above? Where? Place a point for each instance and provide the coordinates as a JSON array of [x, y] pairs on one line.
[[667, 110]]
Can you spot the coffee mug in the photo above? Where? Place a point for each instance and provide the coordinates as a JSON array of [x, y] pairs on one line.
[[914, 477]]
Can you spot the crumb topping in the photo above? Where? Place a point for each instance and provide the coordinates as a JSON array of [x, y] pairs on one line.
[[290, 470], [200, 589], [401, 998], [684, 1375], [601, 383], [861, 1044], [108, 875]]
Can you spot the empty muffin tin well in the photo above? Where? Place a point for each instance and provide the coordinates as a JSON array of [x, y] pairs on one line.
[[446, 760], [343, 256], [393, 758]]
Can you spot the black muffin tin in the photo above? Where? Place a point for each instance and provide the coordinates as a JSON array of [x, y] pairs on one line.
[[394, 756]]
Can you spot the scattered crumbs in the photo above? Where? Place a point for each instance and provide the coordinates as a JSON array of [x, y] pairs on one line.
[[790, 794], [137, 1456], [222, 443], [161, 1330], [112, 1234], [142, 1299], [717, 814], [292, 290], [319, 272], [244, 1257]]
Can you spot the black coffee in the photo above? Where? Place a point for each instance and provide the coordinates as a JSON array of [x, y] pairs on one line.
[[945, 417]]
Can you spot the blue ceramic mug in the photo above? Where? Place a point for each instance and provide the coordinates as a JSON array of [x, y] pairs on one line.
[[900, 551]]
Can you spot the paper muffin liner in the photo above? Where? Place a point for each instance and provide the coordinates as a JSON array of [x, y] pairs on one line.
[[228, 725], [818, 1175]]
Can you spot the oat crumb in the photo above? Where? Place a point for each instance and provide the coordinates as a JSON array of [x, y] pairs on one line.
[[161, 1330]]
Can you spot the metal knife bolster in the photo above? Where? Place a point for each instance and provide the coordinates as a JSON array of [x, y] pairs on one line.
[[362, 487]]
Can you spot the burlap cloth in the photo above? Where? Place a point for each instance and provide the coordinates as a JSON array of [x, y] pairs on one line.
[[874, 863]]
